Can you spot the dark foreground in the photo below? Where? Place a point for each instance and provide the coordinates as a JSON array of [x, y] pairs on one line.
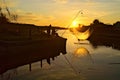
[[15, 54]]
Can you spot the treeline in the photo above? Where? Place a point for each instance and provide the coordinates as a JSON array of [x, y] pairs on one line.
[[105, 34], [103, 31], [100, 27]]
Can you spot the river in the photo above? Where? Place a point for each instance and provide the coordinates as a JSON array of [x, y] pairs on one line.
[[82, 62]]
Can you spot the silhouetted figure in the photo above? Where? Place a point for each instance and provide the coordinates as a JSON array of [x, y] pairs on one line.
[[49, 29], [56, 34], [53, 31]]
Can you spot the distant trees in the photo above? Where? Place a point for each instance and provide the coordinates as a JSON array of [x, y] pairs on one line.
[[96, 21], [7, 18], [3, 18], [117, 24], [100, 27]]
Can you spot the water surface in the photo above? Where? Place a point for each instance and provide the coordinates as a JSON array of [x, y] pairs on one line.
[[82, 62]]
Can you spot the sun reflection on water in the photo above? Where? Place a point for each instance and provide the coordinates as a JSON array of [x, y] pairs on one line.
[[81, 52]]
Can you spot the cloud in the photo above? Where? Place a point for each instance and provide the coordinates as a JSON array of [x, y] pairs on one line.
[[61, 1], [8, 3], [34, 18]]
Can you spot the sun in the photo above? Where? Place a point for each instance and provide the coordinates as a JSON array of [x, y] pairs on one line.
[[74, 24]]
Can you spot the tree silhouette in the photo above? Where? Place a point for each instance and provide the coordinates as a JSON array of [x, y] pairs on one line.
[[96, 21], [3, 18], [117, 24]]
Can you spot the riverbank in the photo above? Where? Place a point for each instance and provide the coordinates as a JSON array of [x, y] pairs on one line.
[[105, 39]]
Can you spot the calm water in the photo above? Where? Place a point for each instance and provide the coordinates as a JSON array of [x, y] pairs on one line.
[[82, 62]]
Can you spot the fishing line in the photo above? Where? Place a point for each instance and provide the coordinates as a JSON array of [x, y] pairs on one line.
[[76, 37], [90, 57], [70, 64]]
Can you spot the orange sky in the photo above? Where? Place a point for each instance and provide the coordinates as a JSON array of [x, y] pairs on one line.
[[62, 12]]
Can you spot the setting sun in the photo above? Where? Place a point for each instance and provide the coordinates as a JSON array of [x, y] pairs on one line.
[[74, 24]]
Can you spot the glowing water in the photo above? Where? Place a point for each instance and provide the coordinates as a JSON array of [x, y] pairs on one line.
[[81, 52], [81, 35]]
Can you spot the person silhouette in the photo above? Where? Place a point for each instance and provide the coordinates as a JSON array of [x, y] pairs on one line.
[[49, 30]]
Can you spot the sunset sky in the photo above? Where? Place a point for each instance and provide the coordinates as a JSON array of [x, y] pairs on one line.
[[62, 12]]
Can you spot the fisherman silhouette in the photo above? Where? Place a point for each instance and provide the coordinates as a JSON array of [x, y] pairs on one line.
[[49, 30], [53, 31]]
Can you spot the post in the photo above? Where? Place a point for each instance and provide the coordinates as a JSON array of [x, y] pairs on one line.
[[30, 67], [41, 63]]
